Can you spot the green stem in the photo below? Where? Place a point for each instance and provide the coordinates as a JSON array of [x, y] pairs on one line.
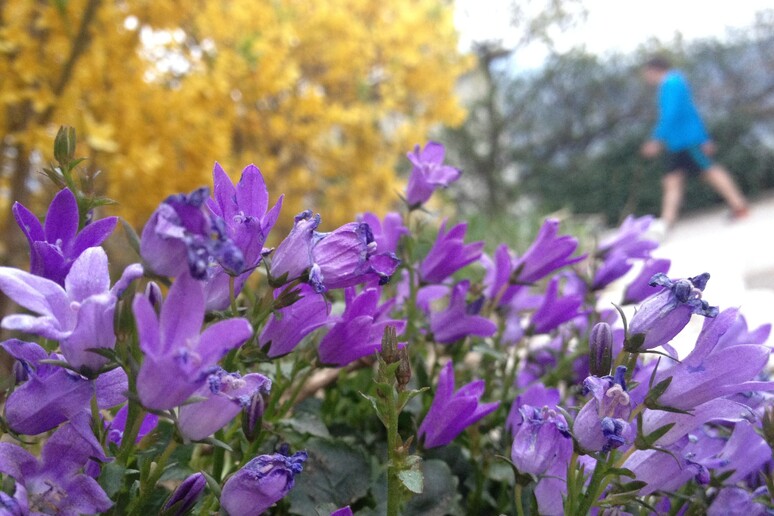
[[393, 482], [518, 500], [218, 457], [137, 505], [592, 491], [232, 296], [288, 404]]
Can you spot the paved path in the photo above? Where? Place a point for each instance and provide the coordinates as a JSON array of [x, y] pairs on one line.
[[739, 256]]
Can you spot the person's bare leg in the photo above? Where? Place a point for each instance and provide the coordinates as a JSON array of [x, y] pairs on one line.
[[722, 182], [673, 185]]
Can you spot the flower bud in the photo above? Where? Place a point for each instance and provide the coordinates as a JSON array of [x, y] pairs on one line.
[[403, 374], [600, 349], [262, 482], [252, 416], [64, 145], [185, 496]]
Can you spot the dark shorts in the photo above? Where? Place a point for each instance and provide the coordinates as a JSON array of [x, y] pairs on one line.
[[692, 161]]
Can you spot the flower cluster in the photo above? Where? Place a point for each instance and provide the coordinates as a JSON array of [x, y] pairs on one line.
[[223, 374]]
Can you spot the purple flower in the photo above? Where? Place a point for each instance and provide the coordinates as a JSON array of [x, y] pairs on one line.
[[664, 315], [293, 256], [458, 320], [261, 482], [640, 289], [358, 332], [602, 424], [178, 356], [387, 232], [735, 500], [243, 210], [710, 372], [546, 254], [428, 173], [117, 426], [287, 326], [344, 511], [615, 265], [630, 239], [55, 246], [182, 234], [452, 411], [537, 395], [600, 349], [186, 495], [498, 276], [541, 440], [555, 309], [449, 254], [225, 395], [50, 395], [347, 256], [80, 315], [56, 484], [692, 456]]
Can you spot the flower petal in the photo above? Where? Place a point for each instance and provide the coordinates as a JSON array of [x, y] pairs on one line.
[[34, 293], [182, 314], [89, 275], [62, 219], [251, 192]]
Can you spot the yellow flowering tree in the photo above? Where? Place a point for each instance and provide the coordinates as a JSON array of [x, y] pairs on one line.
[[321, 95]]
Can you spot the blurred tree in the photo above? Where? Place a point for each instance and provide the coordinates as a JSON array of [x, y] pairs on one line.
[[569, 133], [324, 96], [482, 145]]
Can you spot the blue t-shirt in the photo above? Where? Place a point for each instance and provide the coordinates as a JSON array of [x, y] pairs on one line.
[[679, 126]]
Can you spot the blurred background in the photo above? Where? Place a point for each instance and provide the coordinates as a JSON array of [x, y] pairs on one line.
[[538, 101]]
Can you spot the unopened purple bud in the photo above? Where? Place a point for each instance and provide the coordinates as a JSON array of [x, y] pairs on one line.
[[153, 293], [185, 496], [252, 416], [262, 482], [601, 349]]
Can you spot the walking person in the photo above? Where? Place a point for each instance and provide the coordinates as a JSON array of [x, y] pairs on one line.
[[689, 149]]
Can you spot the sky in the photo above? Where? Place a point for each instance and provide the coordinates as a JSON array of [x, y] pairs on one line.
[[612, 25]]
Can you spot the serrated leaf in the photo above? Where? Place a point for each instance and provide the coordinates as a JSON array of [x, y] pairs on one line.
[[440, 496], [335, 472], [412, 480]]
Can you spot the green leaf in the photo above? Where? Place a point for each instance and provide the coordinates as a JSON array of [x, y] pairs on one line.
[[131, 236], [335, 472], [112, 478], [657, 391], [306, 419], [412, 480], [440, 496], [621, 472], [645, 442]]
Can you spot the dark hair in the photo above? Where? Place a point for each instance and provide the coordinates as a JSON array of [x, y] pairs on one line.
[[658, 63]]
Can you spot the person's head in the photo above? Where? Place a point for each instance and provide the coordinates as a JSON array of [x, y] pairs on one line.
[[654, 69]]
